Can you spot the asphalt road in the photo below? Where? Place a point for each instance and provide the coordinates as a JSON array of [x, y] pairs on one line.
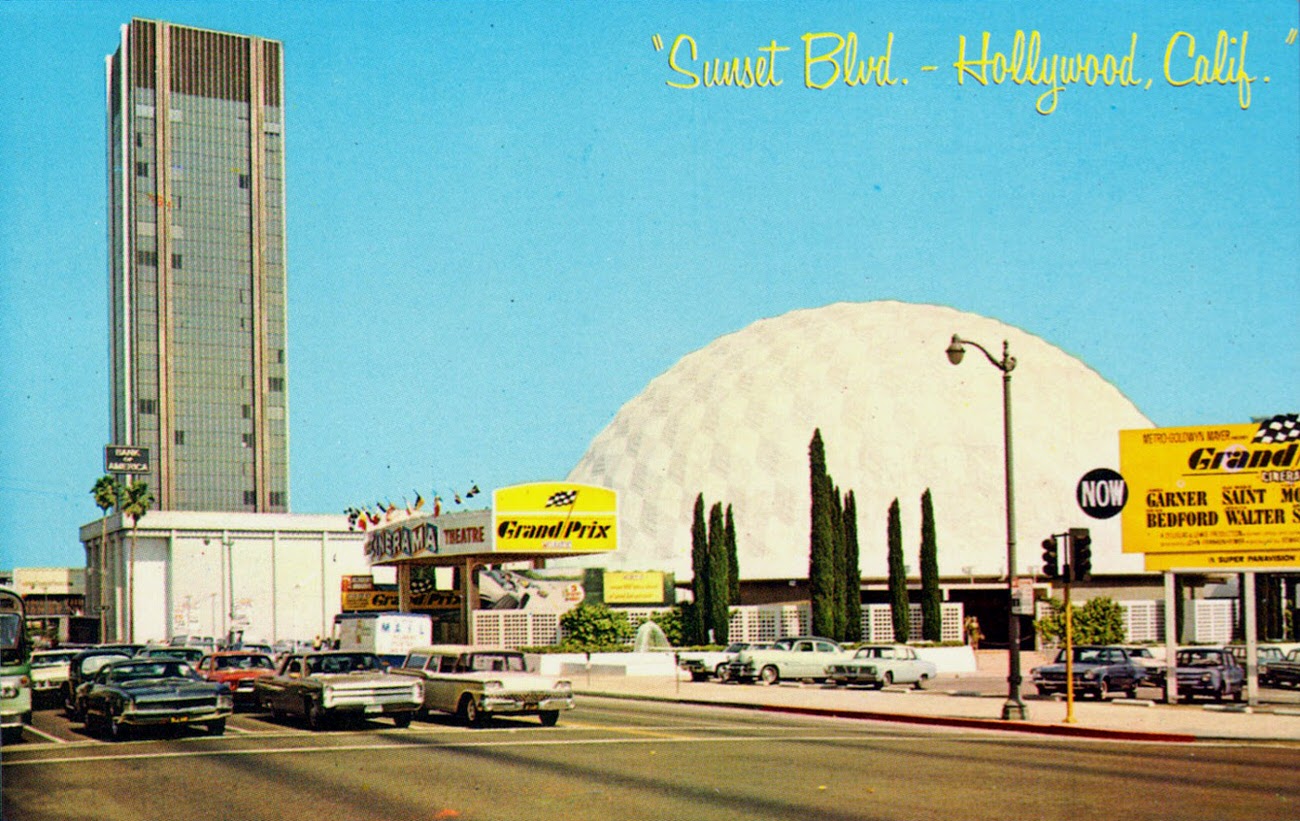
[[614, 759]]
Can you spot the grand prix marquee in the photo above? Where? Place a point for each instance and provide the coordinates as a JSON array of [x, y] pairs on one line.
[[1218, 497]]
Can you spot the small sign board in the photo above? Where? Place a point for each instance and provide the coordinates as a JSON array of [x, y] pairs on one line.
[[1022, 597], [126, 459], [1101, 493]]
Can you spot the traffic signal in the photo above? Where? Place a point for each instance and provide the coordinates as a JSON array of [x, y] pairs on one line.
[[1080, 553], [1050, 567]]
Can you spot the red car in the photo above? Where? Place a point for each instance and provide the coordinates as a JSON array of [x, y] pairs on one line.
[[238, 669]]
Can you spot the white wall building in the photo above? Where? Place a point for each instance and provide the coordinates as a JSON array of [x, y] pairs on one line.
[[273, 576]]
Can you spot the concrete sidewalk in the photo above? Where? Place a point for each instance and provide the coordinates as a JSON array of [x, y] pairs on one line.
[[947, 702]]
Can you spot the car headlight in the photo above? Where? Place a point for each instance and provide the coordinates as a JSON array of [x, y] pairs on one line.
[[1207, 677], [563, 686], [492, 685], [1090, 675]]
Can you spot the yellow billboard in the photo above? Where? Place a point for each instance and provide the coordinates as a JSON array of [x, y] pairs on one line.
[[1216, 490], [553, 517], [634, 587]]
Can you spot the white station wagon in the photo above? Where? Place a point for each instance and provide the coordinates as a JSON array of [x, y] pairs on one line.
[[477, 683]]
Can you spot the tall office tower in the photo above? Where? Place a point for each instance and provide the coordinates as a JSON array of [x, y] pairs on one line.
[[197, 265]]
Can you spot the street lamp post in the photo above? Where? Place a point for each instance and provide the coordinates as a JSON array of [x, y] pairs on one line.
[[1014, 708]]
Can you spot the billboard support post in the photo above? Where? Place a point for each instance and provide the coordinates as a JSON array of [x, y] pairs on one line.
[[1171, 638], [1252, 640]]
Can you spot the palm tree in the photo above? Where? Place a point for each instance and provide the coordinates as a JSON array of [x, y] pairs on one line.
[[136, 502], [107, 493]]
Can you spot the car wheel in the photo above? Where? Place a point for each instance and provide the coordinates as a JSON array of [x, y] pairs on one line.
[[1103, 690], [1238, 693], [1221, 693], [1131, 692], [403, 720], [721, 672], [217, 727], [549, 717], [315, 715], [469, 711], [1043, 692], [889, 678], [769, 675], [919, 684], [699, 675]]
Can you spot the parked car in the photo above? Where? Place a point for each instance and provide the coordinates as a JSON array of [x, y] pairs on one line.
[[205, 643], [1209, 671], [153, 691], [1153, 669], [239, 670], [82, 668], [50, 673], [1265, 658], [877, 665], [702, 664], [321, 686], [795, 657], [1098, 670], [1287, 671], [477, 683], [190, 655]]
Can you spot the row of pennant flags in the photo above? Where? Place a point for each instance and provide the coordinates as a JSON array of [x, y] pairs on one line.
[[362, 518]]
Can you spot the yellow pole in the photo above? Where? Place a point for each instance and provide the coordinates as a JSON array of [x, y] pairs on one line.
[[1069, 654]]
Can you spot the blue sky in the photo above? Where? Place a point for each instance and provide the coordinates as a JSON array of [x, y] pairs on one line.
[[504, 222]]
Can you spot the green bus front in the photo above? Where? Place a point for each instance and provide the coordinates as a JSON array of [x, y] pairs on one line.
[[15, 666]]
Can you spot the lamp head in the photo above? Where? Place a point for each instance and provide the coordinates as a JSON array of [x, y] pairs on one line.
[[956, 350]]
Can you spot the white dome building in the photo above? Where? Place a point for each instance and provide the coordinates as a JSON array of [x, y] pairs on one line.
[[734, 421]]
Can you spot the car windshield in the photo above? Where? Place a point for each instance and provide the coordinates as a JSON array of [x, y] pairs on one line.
[[1084, 655], [11, 625], [51, 659], [497, 662], [1199, 658], [136, 671], [91, 664], [338, 663], [250, 661], [174, 653]]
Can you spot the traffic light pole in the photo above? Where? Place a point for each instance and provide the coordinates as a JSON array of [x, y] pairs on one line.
[[1077, 566]]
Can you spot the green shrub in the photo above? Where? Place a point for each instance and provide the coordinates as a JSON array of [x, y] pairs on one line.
[[1098, 621], [594, 628]]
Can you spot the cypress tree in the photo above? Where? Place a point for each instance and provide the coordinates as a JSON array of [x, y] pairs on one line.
[[841, 566], [699, 574], [733, 561], [898, 576], [821, 563], [931, 609], [853, 572], [719, 617]]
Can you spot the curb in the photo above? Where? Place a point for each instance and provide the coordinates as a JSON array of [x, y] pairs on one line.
[[997, 725]]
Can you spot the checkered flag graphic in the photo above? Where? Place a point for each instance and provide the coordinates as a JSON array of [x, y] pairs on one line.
[[1281, 428], [564, 498]]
